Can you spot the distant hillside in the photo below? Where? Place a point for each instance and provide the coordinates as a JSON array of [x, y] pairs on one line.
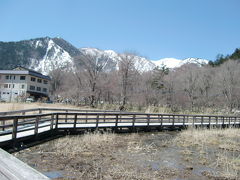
[[41, 53], [221, 58]]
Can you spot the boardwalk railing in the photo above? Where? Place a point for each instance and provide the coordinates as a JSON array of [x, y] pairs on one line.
[[13, 127], [47, 110]]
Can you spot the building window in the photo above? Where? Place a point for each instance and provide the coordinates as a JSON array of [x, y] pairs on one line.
[[44, 89], [13, 85], [38, 89], [16, 93], [5, 85], [45, 82], [7, 77], [4, 92], [32, 88], [39, 81], [33, 79], [22, 86], [22, 77]]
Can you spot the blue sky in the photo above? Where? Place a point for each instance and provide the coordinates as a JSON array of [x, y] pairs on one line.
[[153, 28]]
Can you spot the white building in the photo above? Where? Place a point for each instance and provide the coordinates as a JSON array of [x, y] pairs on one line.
[[20, 83]]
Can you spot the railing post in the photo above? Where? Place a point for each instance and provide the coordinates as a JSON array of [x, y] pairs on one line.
[[116, 123], [52, 120], [86, 117], [202, 122], [14, 131], [229, 123], [36, 125], [193, 123], [161, 121], [66, 116], [104, 116], [97, 121], [3, 125], [209, 123], [223, 123], [56, 126], [148, 120], [216, 120], [235, 119], [75, 121], [184, 121], [133, 120], [23, 113], [173, 121]]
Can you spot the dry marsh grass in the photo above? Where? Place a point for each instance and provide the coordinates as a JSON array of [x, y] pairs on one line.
[[145, 156], [104, 155], [77, 145], [216, 148]]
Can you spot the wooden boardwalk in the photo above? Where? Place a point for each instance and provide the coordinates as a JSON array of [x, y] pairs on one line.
[[17, 126]]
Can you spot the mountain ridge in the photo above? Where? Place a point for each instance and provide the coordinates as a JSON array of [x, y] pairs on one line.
[[45, 54]]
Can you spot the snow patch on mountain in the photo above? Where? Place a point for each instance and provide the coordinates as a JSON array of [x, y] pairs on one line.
[[140, 63], [175, 63], [54, 58]]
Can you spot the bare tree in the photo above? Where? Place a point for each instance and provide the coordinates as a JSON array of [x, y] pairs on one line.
[[126, 72], [91, 65], [228, 82]]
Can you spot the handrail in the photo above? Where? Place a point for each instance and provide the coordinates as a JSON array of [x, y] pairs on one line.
[[51, 109], [106, 111]]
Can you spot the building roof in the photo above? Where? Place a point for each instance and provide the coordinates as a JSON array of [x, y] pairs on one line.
[[24, 71]]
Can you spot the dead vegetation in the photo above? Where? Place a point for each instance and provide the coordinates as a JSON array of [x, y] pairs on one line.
[[191, 154], [215, 148]]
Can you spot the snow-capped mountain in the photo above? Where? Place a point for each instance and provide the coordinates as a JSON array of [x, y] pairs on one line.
[[47, 54], [40, 54], [112, 59], [54, 57], [175, 63]]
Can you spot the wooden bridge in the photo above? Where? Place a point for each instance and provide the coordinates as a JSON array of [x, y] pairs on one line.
[[19, 126]]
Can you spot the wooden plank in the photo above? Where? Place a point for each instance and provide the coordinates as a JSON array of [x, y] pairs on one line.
[[13, 169]]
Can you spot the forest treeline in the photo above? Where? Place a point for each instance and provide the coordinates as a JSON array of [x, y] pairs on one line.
[[189, 87]]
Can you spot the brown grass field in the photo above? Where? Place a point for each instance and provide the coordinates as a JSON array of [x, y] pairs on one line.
[[192, 154]]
